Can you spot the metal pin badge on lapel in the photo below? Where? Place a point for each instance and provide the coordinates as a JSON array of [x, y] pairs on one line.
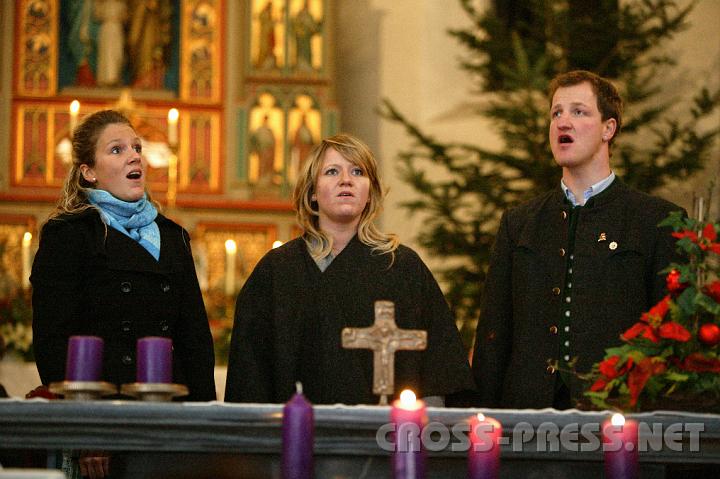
[[613, 245], [602, 237]]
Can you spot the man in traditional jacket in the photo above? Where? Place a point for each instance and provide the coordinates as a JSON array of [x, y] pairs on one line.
[[573, 268]]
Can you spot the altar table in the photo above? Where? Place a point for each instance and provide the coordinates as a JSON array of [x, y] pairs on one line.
[[219, 440]]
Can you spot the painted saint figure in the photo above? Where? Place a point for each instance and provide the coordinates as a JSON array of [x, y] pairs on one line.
[[110, 41], [262, 144], [303, 143], [81, 42], [149, 36], [266, 38], [305, 27]]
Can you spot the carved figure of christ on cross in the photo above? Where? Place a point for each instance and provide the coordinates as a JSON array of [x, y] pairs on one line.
[[384, 338]]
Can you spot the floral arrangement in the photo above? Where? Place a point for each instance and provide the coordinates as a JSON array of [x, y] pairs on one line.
[[671, 354], [16, 325]]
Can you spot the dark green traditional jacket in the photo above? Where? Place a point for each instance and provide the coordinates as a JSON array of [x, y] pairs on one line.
[[617, 254]]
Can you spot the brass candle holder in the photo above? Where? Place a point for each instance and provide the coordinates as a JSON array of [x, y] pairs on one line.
[[154, 392], [83, 390]]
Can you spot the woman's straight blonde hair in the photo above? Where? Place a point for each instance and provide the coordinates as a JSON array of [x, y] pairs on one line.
[[356, 152]]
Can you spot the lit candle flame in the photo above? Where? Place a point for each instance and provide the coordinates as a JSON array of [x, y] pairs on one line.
[[231, 246], [617, 419], [407, 398], [27, 238], [74, 110], [277, 244], [173, 115]]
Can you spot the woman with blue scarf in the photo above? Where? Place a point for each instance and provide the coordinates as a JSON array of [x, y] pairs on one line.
[[110, 265]]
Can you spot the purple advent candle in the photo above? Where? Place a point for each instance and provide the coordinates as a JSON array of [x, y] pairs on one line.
[[84, 358], [484, 452], [410, 417], [298, 437], [154, 360], [620, 447]]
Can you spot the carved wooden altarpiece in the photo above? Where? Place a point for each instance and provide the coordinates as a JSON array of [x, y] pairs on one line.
[[58, 58]]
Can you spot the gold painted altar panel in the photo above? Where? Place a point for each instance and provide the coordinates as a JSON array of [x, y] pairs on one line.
[[287, 38], [201, 51], [37, 53], [43, 148], [111, 49], [58, 59], [16, 252], [209, 246], [284, 124], [200, 170], [222, 272]]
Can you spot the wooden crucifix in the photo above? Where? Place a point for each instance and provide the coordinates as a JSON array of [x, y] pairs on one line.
[[384, 338]]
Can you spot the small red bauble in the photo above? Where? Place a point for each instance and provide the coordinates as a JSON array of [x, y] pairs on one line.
[[673, 283], [709, 334]]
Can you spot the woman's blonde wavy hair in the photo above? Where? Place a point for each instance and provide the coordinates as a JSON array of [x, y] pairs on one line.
[[74, 197], [306, 210]]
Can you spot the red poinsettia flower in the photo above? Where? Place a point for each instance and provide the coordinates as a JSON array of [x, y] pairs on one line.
[[675, 331], [696, 362], [610, 371], [673, 283], [657, 312], [686, 234], [640, 329], [652, 328], [706, 241], [640, 374], [713, 290]]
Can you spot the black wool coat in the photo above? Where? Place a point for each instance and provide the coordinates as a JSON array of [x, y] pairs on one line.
[[615, 279], [289, 317], [90, 279]]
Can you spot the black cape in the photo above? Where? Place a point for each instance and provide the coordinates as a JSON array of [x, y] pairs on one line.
[[289, 317]]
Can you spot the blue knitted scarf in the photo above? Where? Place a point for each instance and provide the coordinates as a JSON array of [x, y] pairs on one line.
[[135, 219]]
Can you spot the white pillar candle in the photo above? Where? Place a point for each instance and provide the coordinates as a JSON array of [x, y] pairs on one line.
[[230, 253], [74, 110], [701, 211], [26, 243]]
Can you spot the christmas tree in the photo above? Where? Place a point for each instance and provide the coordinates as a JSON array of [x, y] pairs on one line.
[[514, 49]]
